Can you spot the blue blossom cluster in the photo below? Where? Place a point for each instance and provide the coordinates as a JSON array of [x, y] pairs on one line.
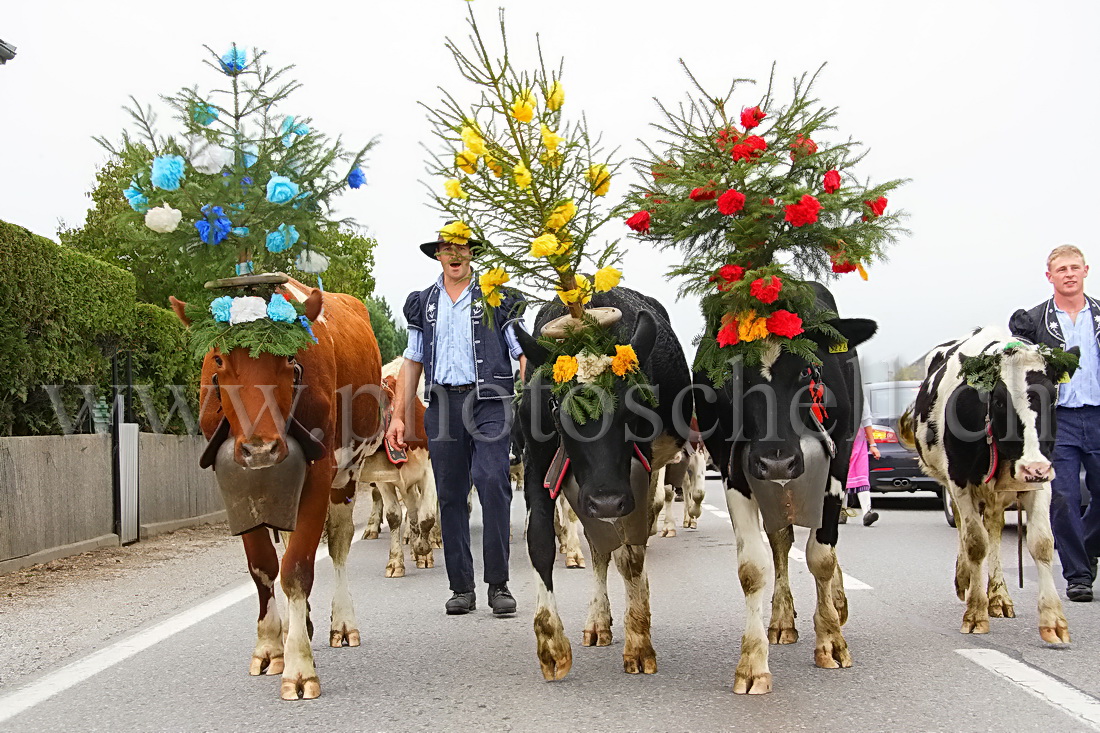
[[356, 178], [282, 239], [215, 227], [138, 201], [167, 172], [234, 61], [290, 130]]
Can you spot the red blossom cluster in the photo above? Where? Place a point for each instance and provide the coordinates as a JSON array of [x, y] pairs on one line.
[[751, 117], [785, 323], [766, 293], [702, 194], [801, 147], [726, 137], [639, 222], [731, 202], [877, 207], [832, 181], [804, 212], [750, 149], [727, 276]]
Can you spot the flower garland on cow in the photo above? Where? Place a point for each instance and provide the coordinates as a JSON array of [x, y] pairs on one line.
[[515, 168], [244, 189], [757, 204]]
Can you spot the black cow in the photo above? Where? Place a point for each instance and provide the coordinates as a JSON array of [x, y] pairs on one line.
[[781, 461], [990, 448], [612, 463]]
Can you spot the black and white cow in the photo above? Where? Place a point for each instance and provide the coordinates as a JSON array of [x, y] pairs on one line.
[[780, 453], [990, 449], [612, 463]]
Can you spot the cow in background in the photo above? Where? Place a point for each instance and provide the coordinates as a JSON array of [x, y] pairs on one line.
[[609, 480], [771, 437], [989, 449], [684, 479], [410, 485]]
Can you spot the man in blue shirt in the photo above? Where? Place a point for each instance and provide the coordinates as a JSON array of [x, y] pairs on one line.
[[1069, 319], [464, 349]]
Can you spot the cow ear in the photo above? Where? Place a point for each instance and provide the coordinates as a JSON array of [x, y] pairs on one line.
[[179, 306], [855, 330], [536, 354], [645, 335], [314, 304]]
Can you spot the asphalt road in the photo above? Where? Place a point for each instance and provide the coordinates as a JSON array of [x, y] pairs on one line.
[[419, 669]]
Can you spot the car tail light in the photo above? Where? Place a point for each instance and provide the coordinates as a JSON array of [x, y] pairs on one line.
[[884, 435]]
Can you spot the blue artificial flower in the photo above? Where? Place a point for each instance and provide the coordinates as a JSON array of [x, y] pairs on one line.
[[289, 128], [215, 227], [234, 61], [279, 309], [220, 308], [282, 238], [250, 153], [281, 189], [305, 324], [246, 181], [167, 172], [356, 178], [301, 199], [240, 231], [203, 114], [138, 201]]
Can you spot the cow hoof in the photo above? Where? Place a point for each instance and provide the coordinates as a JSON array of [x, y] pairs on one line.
[[339, 638], [833, 655], [307, 689], [574, 562], [370, 534], [592, 637], [266, 665], [752, 684], [975, 627], [691, 524], [421, 563], [1001, 608], [1057, 634], [395, 571], [640, 663], [782, 635]]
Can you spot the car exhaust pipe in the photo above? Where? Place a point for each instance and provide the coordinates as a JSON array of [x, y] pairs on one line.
[[901, 483]]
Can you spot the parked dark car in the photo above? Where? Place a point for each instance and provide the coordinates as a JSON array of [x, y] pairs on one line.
[[897, 469]]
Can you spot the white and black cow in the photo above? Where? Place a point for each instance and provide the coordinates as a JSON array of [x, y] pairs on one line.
[[780, 449], [990, 448], [609, 480]]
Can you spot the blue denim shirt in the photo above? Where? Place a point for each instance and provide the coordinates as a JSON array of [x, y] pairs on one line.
[[1083, 389]]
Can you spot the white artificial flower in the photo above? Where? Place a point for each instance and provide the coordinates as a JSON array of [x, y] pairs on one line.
[[312, 262], [590, 366], [211, 159], [247, 309], [163, 219]]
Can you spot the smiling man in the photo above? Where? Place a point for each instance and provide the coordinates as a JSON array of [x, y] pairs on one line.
[[1072, 318], [462, 347]]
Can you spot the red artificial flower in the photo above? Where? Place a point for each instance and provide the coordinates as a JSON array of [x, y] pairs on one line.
[[843, 267], [731, 273], [877, 207], [832, 181], [731, 202], [751, 117], [751, 149], [726, 137], [768, 202], [784, 323], [804, 212], [727, 334], [661, 169], [639, 222], [766, 293], [801, 147], [702, 194]]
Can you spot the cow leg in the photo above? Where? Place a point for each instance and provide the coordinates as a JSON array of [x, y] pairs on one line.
[[668, 524], [559, 522], [374, 521], [571, 545], [552, 645], [782, 629], [975, 545], [597, 629], [638, 654], [341, 528], [657, 498], [428, 519], [752, 675], [962, 567], [694, 490], [1040, 543], [263, 565], [395, 566], [831, 651], [1000, 602]]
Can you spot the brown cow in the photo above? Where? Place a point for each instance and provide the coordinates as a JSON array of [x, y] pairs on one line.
[[337, 403]]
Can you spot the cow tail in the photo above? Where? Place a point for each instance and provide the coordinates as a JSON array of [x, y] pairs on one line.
[[906, 434]]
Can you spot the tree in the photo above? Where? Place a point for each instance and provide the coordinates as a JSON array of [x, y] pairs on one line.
[[392, 338]]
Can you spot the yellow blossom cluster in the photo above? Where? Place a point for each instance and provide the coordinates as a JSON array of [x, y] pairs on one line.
[[491, 282], [750, 327], [586, 367], [599, 178]]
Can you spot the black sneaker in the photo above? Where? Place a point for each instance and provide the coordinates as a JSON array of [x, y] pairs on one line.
[[461, 603], [501, 600], [870, 518], [1092, 564], [1079, 592]]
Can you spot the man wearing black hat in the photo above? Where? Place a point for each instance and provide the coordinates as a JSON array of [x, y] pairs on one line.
[[464, 357]]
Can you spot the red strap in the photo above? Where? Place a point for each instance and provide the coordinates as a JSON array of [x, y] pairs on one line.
[[994, 454], [641, 457], [817, 394]]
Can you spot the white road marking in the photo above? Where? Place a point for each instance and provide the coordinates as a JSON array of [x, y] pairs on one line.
[[1068, 699], [45, 687]]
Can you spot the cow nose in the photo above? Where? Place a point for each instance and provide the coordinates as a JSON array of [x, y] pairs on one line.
[[778, 467], [259, 453], [607, 506], [1035, 472]]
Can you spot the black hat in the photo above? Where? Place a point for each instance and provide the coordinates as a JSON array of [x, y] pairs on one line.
[[431, 248]]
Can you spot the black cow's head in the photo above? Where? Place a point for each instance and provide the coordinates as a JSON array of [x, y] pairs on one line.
[[776, 402], [602, 457]]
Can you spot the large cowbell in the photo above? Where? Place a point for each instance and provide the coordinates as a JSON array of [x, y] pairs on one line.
[[796, 501], [258, 497], [607, 535]]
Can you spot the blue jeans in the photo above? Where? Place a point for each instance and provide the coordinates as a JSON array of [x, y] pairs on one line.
[[1077, 537], [469, 449]]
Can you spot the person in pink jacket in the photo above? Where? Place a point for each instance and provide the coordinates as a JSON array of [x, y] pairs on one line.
[[859, 481]]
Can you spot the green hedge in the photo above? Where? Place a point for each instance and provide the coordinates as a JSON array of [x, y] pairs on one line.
[[63, 315]]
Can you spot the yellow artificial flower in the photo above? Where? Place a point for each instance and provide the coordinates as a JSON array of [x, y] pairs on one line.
[[750, 328], [607, 278], [862, 271], [561, 215], [625, 360], [565, 368], [523, 106], [521, 175], [493, 298], [492, 164], [550, 139], [600, 178], [545, 246], [454, 189], [467, 161], [456, 233], [555, 97], [581, 294], [570, 296], [493, 279], [552, 159], [473, 140]]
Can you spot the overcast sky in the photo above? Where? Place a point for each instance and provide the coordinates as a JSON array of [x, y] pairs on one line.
[[989, 107]]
